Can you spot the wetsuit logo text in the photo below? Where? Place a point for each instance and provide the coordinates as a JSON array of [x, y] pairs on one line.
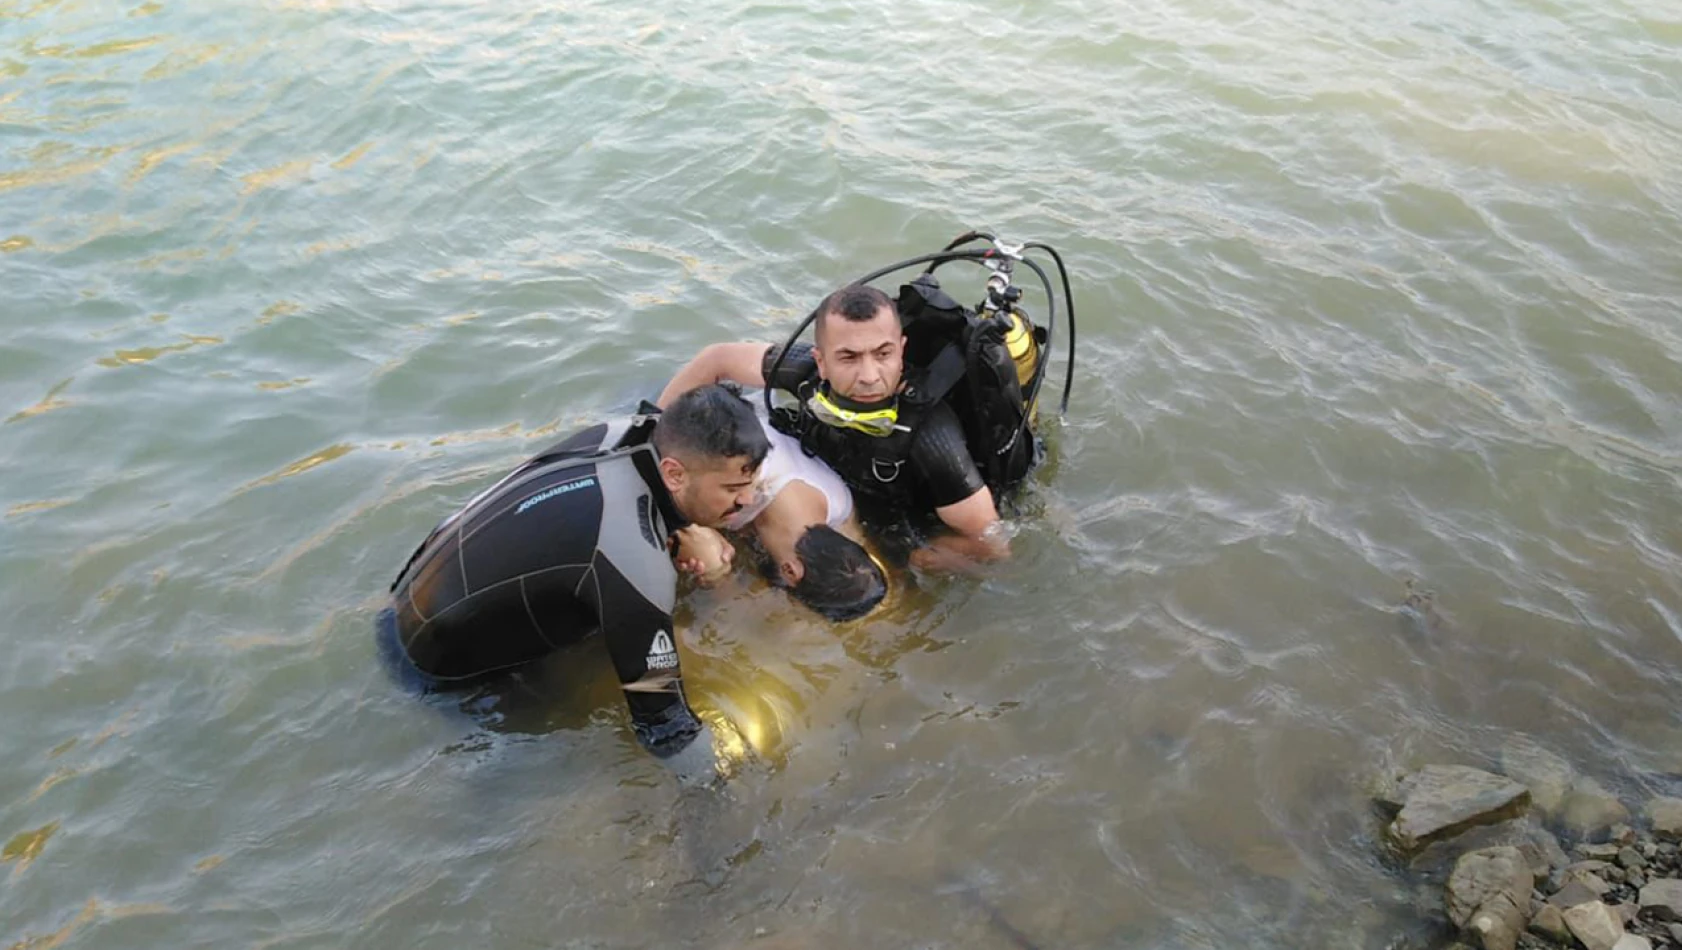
[[556, 491]]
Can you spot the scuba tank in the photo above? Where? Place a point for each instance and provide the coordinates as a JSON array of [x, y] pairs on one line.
[[1023, 348]]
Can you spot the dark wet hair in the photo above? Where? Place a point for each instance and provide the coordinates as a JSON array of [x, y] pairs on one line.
[[841, 581], [711, 421], [859, 303]]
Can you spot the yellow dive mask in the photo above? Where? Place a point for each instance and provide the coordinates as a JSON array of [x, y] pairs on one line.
[[880, 423]]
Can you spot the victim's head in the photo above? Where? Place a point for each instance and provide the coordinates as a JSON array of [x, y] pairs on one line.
[[839, 580], [710, 446], [860, 348]]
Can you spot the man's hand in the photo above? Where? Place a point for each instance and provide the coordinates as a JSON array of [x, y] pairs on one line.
[[703, 554], [697, 765]]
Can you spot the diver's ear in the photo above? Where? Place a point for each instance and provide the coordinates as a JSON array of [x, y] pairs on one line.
[[673, 474], [791, 570]]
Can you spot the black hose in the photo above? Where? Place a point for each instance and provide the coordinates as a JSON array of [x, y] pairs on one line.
[[1069, 298], [937, 257], [959, 241], [980, 257], [782, 354], [1050, 323], [941, 257]]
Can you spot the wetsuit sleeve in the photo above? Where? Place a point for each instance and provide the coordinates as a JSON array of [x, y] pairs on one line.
[[641, 642], [940, 459], [798, 367], [634, 586]]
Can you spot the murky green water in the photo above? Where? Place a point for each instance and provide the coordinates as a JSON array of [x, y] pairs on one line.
[[1368, 293]]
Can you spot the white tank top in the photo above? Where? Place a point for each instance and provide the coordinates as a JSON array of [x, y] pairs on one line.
[[785, 463]]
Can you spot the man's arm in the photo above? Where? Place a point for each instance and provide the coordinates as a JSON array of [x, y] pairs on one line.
[[941, 460], [976, 539], [632, 591], [736, 362]]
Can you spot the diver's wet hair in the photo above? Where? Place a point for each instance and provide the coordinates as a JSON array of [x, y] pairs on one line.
[[711, 421], [859, 303], [841, 581]]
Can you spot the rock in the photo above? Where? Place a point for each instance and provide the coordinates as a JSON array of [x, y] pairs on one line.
[[1486, 893], [1442, 800], [1595, 925], [1573, 893], [1543, 851], [1549, 922], [1548, 776], [1627, 912], [1590, 808], [1666, 816], [1636, 879], [1588, 879], [1662, 899], [1598, 852], [1676, 933], [1620, 835], [1632, 942], [1498, 926], [1649, 849]]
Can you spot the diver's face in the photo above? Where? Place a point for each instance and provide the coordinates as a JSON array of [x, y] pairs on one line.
[[861, 359], [709, 493]]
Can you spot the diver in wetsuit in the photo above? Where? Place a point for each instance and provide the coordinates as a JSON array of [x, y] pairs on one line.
[[854, 382], [578, 540], [575, 541]]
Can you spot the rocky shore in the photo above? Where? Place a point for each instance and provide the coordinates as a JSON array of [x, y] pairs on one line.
[[1542, 857]]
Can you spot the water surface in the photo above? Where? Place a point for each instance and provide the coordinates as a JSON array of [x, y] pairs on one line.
[[1370, 294]]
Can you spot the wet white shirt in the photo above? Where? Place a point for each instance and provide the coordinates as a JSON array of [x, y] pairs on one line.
[[787, 463]]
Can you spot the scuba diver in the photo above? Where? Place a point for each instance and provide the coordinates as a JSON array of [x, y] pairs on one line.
[[923, 407], [580, 539]]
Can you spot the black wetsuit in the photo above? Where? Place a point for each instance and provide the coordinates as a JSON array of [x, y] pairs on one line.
[[570, 543], [937, 470]]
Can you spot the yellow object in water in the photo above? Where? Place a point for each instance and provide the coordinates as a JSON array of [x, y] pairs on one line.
[[1024, 349]]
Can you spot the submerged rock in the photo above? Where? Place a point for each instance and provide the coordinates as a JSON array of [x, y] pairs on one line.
[[1666, 816], [1589, 808], [1548, 776], [1419, 609], [1595, 925], [1543, 853], [1443, 800]]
